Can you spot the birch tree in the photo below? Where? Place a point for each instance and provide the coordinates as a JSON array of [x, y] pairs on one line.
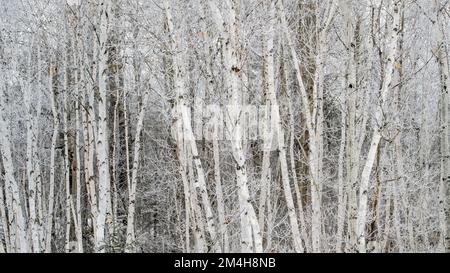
[[391, 50], [102, 138], [224, 126], [444, 185]]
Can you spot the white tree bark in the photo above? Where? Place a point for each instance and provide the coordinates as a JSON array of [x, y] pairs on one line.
[[79, 226], [279, 131], [4, 217], [89, 131], [51, 195], [187, 195], [251, 239], [16, 216], [400, 191], [314, 119], [66, 152], [86, 77], [267, 145], [391, 51], [348, 136], [37, 166], [292, 138], [444, 186], [130, 239], [102, 134], [30, 161], [342, 196], [223, 233], [197, 219], [184, 115]]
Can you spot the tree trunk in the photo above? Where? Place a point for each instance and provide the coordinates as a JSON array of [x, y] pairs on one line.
[[104, 185], [376, 137]]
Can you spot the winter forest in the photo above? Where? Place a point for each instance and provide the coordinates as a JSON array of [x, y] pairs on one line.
[[224, 126]]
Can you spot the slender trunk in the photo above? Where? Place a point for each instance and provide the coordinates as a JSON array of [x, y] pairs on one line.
[[444, 185], [342, 196], [114, 164], [66, 152], [37, 167], [350, 131], [266, 178], [90, 120], [130, 239], [79, 228], [5, 227], [251, 239], [314, 119], [187, 199], [188, 135], [17, 224], [87, 116], [30, 161], [277, 123], [197, 219], [376, 137], [401, 205], [51, 195], [127, 144], [102, 134]]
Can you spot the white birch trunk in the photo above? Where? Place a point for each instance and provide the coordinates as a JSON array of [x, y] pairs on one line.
[[223, 233], [188, 135], [4, 223], [79, 227], [187, 197], [352, 167], [127, 145], [102, 134], [88, 120], [66, 155], [376, 137], [275, 115], [37, 167], [267, 149], [30, 165], [342, 196], [197, 219], [251, 240], [292, 138], [401, 193], [51, 195], [314, 120], [444, 186], [130, 238], [17, 220]]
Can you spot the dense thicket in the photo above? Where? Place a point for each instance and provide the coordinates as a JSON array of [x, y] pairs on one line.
[[224, 126]]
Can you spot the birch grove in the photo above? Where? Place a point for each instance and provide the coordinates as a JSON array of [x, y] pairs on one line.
[[224, 126]]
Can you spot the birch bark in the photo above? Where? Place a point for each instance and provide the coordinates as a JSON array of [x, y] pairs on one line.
[[102, 134], [376, 137], [66, 151], [79, 227], [30, 160], [16, 216], [301, 214], [250, 230], [51, 195], [279, 131], [444, 185], [4, 217], [188, 136], [130, 239], [314, 118]]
